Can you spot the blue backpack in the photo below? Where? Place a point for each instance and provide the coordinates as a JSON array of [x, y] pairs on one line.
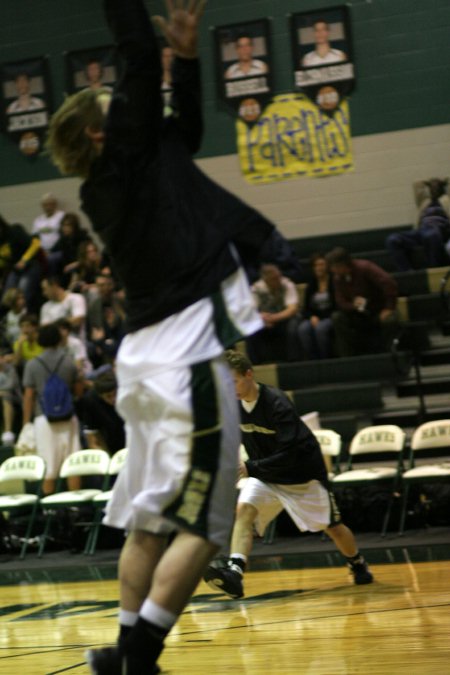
[[56, 399]]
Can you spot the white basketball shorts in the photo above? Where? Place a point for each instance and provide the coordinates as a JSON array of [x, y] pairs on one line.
[[182, 430], [310, 505]]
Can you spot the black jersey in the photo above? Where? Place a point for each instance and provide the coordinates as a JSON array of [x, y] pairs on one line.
[[167, 227], [281, 448]]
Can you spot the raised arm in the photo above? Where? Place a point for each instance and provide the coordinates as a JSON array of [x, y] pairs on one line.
[[180, 30], [136, 108]]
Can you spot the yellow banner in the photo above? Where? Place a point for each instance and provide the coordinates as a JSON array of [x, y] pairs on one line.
[[293, 138]]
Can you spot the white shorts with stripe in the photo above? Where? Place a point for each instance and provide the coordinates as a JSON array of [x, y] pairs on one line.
[[55, 442], [182, 426], [310, 505]]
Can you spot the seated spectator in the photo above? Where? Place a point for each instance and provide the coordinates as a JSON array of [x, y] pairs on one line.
[[46, 225], [102, 425], [105, 295], [10, 396], [62, 304], [91, 262], [432, 231], [62, 258], [27, 346], [366, 298], [105, 340], [14, 300], [277, 300], [316, 328], [75, 347], [19, 263]]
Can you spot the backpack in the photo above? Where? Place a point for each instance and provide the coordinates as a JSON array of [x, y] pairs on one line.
[[56, 399]]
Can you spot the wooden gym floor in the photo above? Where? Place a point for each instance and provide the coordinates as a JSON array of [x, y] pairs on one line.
[[301, 615]]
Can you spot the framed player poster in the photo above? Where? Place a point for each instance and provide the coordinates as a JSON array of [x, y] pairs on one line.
[[322, 55], [91, 69], [244, 67], [26, 102]]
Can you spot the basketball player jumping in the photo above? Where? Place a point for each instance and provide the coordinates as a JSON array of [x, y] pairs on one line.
[[176, 240]]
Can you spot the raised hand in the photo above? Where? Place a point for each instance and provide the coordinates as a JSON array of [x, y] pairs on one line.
[[180, 28]]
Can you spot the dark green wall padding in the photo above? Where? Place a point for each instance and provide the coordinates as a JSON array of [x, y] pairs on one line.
[[401, 48]]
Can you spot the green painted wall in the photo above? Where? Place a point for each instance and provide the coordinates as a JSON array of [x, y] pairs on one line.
[[402, 52]]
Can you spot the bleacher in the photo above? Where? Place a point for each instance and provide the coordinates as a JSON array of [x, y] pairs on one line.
[[376, 389]]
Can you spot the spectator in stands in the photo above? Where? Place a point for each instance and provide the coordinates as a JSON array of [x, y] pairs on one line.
[[366, 299], [277, 300], [46, 225], [54, 440], [61, 304], [10, 396], [432, 231], [316, 328], [75, 347], [27, 346], [63, 256], [91, 262], [19, 264], [106, 321], [105, 341], [105, 296], [102, 425], [14, 300]]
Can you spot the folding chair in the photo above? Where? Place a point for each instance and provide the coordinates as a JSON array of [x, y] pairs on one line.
[[99, 502], [380, 448], [91, 462], [430, 441], [26, 468], [330, 443]]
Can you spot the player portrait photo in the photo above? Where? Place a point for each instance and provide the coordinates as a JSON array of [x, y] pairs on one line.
[[243, 58], [243, 66], [91, 69], [25, 101], [322, 55]]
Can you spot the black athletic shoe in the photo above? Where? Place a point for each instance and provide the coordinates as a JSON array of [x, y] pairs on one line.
[[226, 580], [361, 573], [110, 661]]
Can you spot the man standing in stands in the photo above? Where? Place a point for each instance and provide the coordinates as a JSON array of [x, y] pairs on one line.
[[366, 298], [54, 440], [176, 254], [285, 469]]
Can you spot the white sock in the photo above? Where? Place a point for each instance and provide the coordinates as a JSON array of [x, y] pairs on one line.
[[127, 618], [238, 562], [157, 615], [241, 556]]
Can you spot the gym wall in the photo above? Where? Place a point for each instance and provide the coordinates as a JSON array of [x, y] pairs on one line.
[[399, 110]]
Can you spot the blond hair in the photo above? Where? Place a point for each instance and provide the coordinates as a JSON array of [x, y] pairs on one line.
[[68, 145]]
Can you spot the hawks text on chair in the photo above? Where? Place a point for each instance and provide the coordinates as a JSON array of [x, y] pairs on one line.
[[380, 448]]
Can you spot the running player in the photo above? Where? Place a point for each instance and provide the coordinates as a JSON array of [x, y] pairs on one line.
[[286, 470]]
